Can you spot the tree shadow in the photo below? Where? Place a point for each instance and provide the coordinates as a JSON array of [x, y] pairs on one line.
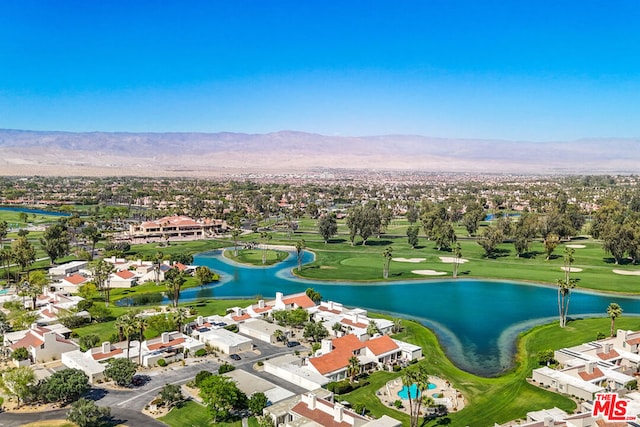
[[530, 254], [396, 274], [330, 241], [612, 260], [377, 243]]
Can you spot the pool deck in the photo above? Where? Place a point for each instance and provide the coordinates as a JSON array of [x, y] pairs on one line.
[[452, 399]]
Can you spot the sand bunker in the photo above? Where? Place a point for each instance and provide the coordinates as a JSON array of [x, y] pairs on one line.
[[627, 272], [451, 260], [429, 272], [571, 269], [576, 246], [415, 260]]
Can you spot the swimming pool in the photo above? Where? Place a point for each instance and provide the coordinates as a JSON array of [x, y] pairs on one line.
[[413, 391]]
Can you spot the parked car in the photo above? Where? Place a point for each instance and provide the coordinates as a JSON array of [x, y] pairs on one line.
[[292, 343], [235, 357]]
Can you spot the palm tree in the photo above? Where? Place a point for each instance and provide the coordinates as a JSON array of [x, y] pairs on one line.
[[613, 311], [457, 254], [565, 286], [336, 328], [175, 279], [299, 252], [564, 294], [372, 328], [397, 325], [354, 368], [157, 262], [127, 325], [387, 255], [141, 323], [420, 378], [180, 316], [265, 238]]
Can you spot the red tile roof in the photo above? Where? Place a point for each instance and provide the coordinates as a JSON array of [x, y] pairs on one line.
[[300, 301], [597, 373], [634, 341], [76, 279], [125, 274], [611, 355], [29, 340], [243, 317], [323, 418], [350, 322], [323, 308], [381, 345], [100, 355], [160, 345]]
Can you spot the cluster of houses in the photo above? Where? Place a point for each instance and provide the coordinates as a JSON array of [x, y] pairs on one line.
[[67, 278], [611, 365], [48, 341]]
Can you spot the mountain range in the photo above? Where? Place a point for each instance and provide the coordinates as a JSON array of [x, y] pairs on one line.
[[206, 154]]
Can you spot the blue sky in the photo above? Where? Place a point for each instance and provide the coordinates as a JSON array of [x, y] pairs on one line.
[[522, 70]]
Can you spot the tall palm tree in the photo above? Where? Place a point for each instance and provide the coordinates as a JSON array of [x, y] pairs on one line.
[[457, 254], [613, 311], [564, 294], [565, 286], [387, 255], [127, 324], [141, 323], [299, 252], [175, 279], [353, 369], [420, 378], [180, 316]]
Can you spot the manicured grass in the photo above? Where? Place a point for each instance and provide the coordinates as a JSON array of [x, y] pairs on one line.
[[149, 250], [254, 256], [338, 260], [203, 308], [499, 399], [194, 414]]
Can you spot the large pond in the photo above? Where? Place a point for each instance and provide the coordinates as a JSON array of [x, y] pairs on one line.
[[32, 211], [477, 321]]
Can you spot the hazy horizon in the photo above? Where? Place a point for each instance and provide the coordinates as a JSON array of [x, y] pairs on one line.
[[524, 71]]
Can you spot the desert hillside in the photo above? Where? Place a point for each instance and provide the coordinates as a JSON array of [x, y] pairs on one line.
[[207, 154]]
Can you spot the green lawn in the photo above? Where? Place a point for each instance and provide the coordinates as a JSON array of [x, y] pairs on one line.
[[194, 414], [254, 256], [203, 308]]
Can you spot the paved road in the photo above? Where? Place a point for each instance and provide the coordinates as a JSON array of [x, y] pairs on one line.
[[119, 415]]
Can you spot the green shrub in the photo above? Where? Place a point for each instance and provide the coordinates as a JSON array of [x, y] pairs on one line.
[[340, 387], [224, 368], [201, 376], [398, 403], [20, 354], [397, 368], [162, 363], [200, 353]]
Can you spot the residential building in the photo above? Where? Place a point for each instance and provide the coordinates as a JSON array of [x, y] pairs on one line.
[[44, 344], [352, 321], [170, 346], [311, 410], [180, 227], [334, 355], [67, 269], [260, 330], [93, 361]]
